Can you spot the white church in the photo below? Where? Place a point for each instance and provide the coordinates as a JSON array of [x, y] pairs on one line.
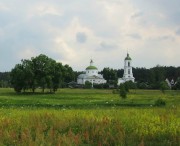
[[91, 75], [128, 74]]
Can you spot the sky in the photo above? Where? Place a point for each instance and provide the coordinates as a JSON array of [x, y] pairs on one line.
[[75, 31]]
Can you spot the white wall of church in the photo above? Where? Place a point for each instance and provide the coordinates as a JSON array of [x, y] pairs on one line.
[[92, 72]]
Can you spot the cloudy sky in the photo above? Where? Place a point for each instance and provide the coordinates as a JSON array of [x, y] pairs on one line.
[[74, 31]]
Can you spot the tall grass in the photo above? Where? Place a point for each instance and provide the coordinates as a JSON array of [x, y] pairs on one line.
[[121, 126], [89, 118]]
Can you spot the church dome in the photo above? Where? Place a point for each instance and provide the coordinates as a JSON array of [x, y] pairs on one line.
[[128, 57], [91, 67]]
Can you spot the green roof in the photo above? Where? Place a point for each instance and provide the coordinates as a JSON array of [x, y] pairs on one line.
[[128, 57], [91, 67]]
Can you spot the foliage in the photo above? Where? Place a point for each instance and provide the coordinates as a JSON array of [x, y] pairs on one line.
[[177, 85], [160, 102], [40, 72], [109, 74], [115, 91], [5, 80], [88, 85], [146, 78], [123, 92], [164, 86], [142, 85], [98, 86]]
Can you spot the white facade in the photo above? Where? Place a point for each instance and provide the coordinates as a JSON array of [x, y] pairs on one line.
[[128, 74], [91, 75]]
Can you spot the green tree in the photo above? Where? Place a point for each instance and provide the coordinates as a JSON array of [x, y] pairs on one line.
[[88, 85], [40, 71], [18, 78], [164, 86], [122, 91], [57, 75], [109, 74], [177, 85]]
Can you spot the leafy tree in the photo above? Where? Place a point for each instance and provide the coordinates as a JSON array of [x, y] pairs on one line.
[[18, 78], [68, 74], [164, 86], [177, 85], [109, 74], [88, 85], [40, 71], [122, 91], [57, 76]]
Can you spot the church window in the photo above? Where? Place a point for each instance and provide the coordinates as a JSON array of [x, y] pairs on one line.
[[128, 63], [128, 71]]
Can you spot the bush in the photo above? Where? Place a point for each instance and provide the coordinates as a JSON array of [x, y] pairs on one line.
[[88, 85], [98, 86], [164, 86], [106, 86], [123, 92], [160, 102], [115, 91]]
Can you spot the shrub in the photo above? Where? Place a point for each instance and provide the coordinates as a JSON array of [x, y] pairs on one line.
[[164, 86], [88, 85], [115, 91], [123, 92], [98, 86], [160, 102]]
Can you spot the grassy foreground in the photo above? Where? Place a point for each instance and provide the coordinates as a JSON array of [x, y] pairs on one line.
[[89, 117]]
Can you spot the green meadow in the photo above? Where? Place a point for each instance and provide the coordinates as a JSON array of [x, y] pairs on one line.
[[89, 117]]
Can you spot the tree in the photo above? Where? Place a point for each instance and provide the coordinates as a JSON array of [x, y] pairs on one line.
[[177, 85], [109, 74], [122, 91], [57, 75], [40, 71], [18, 78], [88, 85], [164, 86]]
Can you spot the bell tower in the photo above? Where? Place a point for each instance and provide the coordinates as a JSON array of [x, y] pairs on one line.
[[128, 74]]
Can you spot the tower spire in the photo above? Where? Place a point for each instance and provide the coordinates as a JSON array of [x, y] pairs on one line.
[[91, 62]]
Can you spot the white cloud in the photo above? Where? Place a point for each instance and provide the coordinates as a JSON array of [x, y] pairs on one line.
[[72, 32], [3, 7], [43, 9]]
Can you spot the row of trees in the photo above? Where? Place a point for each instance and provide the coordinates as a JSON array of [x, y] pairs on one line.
[[145, 78], [40, 72]]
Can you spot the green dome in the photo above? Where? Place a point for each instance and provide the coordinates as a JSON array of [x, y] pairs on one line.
[[128, 57], [91, 67]]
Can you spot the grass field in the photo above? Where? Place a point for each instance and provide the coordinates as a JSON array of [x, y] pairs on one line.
[[89, 117]]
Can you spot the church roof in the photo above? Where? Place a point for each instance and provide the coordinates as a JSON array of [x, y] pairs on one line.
[[128, 57], [91, 67]]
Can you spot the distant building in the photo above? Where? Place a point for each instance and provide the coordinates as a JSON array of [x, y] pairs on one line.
[[128, 74], [91, 75]]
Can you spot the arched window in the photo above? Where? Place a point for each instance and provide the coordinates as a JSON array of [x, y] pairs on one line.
[[128, 71], [128, 63]]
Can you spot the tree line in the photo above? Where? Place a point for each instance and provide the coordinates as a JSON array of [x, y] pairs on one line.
[[44, 72], [145, 78]]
